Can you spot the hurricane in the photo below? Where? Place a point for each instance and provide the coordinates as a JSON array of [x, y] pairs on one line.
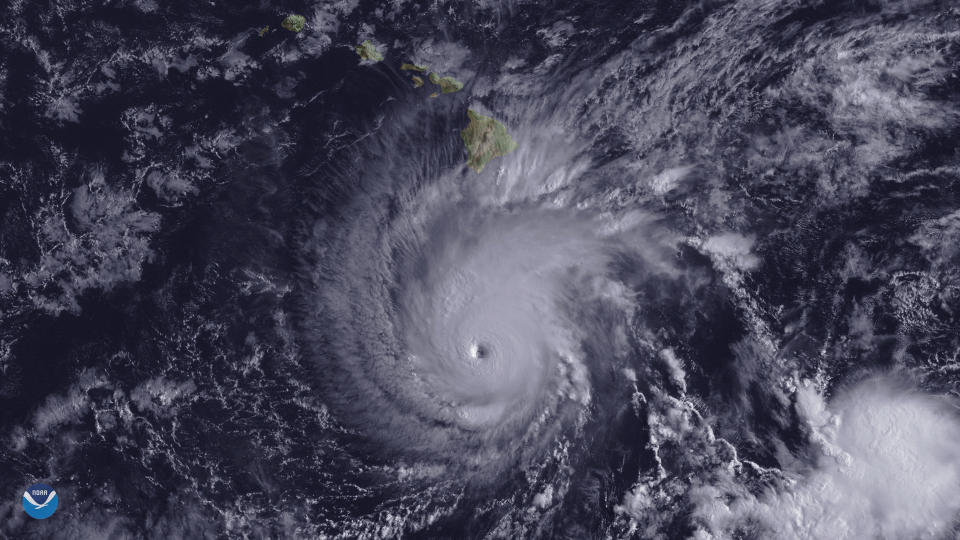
[[645, 270], [463, 323]]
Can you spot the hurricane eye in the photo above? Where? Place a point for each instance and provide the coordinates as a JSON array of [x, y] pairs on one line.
[[478, 351]]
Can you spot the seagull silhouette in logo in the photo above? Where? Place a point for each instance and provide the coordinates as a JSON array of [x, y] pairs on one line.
[[30, 500]]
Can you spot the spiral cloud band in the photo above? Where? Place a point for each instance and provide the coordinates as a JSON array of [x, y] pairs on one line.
[[462, 332]]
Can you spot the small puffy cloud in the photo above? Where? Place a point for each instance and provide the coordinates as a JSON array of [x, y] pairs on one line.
[[733, 248], [108, 244], [161, 396], [669, 179]]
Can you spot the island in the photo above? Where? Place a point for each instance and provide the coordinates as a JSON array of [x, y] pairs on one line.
[[447, 85], [294, 23], [412, 67], [368, 51], [264, 30], [485, 139]]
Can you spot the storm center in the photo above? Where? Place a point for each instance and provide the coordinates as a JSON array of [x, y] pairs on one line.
[[478, 351]]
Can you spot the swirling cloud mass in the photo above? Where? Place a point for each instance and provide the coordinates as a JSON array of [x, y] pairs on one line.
[[691, 272]]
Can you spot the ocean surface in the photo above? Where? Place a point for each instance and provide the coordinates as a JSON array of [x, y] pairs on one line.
[[249, 287]]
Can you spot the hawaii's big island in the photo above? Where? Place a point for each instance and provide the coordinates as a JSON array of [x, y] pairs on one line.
[[485, 139]]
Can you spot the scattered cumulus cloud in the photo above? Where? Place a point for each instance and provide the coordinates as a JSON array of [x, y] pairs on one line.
[[732, 248]]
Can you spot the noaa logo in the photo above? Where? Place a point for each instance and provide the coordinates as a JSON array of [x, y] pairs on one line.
[[40, 501]]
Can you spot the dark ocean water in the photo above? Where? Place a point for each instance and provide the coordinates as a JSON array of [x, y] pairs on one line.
[[249, 288]]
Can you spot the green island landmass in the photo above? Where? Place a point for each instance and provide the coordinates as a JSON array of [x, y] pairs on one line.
[[368, 51], [264, 30], [294, 23], [448, 85], [485, 139]]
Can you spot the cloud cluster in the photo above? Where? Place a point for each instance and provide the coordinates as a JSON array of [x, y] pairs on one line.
[[886, 464]]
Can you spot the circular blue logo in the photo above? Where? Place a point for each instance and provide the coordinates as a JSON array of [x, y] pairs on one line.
[[40, 501]]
